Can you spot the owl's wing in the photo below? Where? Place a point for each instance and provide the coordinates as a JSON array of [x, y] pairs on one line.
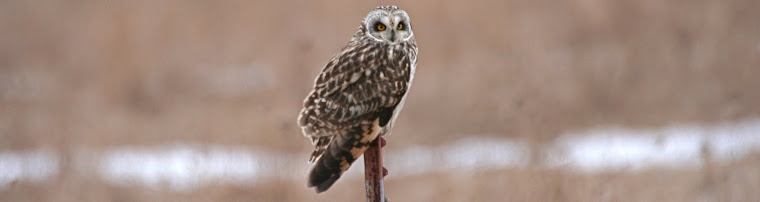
[[356, 84], [353, 101]]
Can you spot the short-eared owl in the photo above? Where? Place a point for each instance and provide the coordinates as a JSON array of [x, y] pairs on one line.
[[359, 94]]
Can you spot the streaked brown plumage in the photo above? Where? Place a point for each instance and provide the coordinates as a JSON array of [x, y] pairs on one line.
[[359, 93]]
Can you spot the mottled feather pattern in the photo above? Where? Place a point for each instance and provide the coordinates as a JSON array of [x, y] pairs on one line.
[[355, 97], [337, 101]]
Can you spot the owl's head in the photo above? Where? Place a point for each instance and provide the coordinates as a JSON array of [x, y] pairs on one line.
[[388, 24]]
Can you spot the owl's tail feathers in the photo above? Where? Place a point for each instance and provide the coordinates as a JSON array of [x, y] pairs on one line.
[[325, 172], [339, 156]]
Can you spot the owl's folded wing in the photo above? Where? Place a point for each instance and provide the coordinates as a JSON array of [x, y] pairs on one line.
[[356, 83]]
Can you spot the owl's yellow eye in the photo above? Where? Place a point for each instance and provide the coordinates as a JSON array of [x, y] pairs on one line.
[[400, 26], [380, 27]]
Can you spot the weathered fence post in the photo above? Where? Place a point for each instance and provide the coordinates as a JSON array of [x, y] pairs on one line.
[[374, 171]]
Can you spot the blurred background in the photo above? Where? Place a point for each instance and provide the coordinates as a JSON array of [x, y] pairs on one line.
[[581, 100]]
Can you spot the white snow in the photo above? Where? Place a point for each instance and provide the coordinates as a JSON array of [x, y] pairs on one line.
[[185, 166], [674, 146], [30, 165]]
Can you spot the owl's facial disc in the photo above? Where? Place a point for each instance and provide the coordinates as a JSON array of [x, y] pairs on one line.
[[387, 27]]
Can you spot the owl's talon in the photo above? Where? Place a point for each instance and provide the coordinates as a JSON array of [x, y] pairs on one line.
[[382, 142], [385, 171]]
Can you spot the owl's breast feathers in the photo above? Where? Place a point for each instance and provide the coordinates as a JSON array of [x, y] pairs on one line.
[[354, 99]]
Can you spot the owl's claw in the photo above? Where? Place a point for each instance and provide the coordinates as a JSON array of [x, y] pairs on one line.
[[382, 142]]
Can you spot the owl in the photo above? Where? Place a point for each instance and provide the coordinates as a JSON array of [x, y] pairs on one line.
[[359, 94]]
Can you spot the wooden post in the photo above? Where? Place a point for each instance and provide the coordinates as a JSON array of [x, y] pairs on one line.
[[374, 171]]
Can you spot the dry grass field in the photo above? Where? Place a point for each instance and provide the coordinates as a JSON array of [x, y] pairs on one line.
[[102, 74]]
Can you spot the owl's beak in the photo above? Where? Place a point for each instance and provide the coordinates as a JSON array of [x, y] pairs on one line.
[[393, 36]]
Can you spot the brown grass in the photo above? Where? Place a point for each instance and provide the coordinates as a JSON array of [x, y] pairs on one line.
[[97, 74]]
